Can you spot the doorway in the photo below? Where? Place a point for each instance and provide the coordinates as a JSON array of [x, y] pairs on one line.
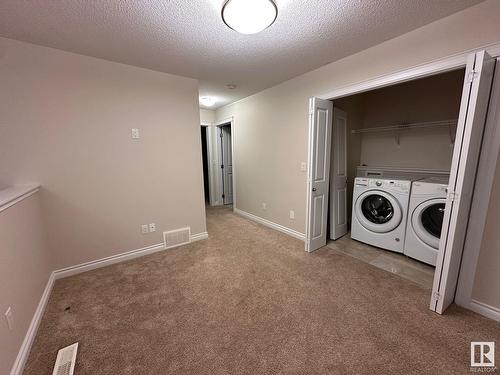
[[217, 158], [226, 163], [204, 154], [325, 123]]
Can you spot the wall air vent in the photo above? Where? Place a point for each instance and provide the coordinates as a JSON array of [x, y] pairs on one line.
[[65, 361], [177, 237]]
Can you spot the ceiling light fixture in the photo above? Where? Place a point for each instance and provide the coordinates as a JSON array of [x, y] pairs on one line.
[[207, 101], [249, 16]]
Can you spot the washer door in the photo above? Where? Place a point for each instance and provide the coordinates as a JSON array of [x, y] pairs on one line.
[[378, 211], [427, 221]]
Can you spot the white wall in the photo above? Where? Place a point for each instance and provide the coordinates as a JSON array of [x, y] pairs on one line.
[[66, 123], [271, 126], [207, 116], [487, 276], [25, 266], [433, 98]]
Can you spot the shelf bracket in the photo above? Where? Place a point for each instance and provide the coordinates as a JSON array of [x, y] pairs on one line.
[[452, 135]]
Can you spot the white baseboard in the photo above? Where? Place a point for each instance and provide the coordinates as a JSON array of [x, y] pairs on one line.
[[103, 262], [198, 237], [118, 258], [270, 224], [24, 351], [484, 309]]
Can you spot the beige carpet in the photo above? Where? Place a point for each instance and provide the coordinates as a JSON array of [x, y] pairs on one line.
[[250, 301]]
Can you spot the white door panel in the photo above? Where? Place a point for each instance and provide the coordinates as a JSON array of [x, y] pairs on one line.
[[338, 179], [472, 116], [320, 135], [227, 162]]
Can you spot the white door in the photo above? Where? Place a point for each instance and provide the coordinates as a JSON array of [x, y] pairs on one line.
[[227, 165], [338, 179], [318, 179], [472, 116]]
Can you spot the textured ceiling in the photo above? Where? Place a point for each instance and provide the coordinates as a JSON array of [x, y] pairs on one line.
[[188, 37]]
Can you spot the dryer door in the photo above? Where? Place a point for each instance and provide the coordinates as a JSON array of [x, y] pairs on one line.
[[427, 221], [378, 211]]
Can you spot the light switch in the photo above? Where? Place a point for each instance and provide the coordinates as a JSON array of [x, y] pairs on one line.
[[303, 166], [135, 133]]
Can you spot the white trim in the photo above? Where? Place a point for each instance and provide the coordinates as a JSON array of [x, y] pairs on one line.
[[485, 310], [224, 121], [270, 224], [206, 123], [15, 194], [198, 237], [420, 71], [103, 262], [24, 351], [118, 258]]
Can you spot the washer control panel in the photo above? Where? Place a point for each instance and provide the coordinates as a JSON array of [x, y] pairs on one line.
[[401, 185]]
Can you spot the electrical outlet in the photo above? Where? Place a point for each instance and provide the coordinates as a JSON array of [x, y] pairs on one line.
[[152, 227], [292, 214], [10, 318], [303, 166], [135, 133], [264, 205], [144, 229]]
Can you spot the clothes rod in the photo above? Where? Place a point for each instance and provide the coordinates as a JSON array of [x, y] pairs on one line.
[[415, 125]]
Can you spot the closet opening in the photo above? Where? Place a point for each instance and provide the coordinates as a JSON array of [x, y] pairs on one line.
[[399, 137], [392, 169]]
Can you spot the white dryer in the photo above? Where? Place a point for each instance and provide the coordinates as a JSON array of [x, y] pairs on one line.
[[425, 219], [379, 212]]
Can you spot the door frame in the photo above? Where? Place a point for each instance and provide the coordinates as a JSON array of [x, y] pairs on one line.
[[484, 181], [214, 170], [221, 155]]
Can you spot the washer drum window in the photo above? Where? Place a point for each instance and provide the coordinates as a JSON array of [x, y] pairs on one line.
[[378, 211]]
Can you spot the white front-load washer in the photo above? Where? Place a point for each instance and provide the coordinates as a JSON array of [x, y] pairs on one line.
[[425, 219], [379, 212]]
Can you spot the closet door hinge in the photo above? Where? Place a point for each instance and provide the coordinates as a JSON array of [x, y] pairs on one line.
[[436, 296], [452, 196], [472, 76]]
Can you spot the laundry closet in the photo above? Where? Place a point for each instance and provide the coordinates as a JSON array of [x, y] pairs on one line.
[[394, 134]]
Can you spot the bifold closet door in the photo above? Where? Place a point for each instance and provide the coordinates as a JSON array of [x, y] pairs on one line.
[[318, 178], [338, 178], [472, 117]]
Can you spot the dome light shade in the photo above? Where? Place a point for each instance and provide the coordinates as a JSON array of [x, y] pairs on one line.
[[249, 16], [207, 101]]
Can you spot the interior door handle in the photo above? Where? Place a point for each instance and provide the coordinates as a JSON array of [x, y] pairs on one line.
[[314, 189]]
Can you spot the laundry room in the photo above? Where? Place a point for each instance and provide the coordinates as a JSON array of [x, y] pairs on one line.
[[394, 140]]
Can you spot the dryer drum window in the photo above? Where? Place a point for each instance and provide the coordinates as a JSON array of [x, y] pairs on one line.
[[432, 219], [377, 209]]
